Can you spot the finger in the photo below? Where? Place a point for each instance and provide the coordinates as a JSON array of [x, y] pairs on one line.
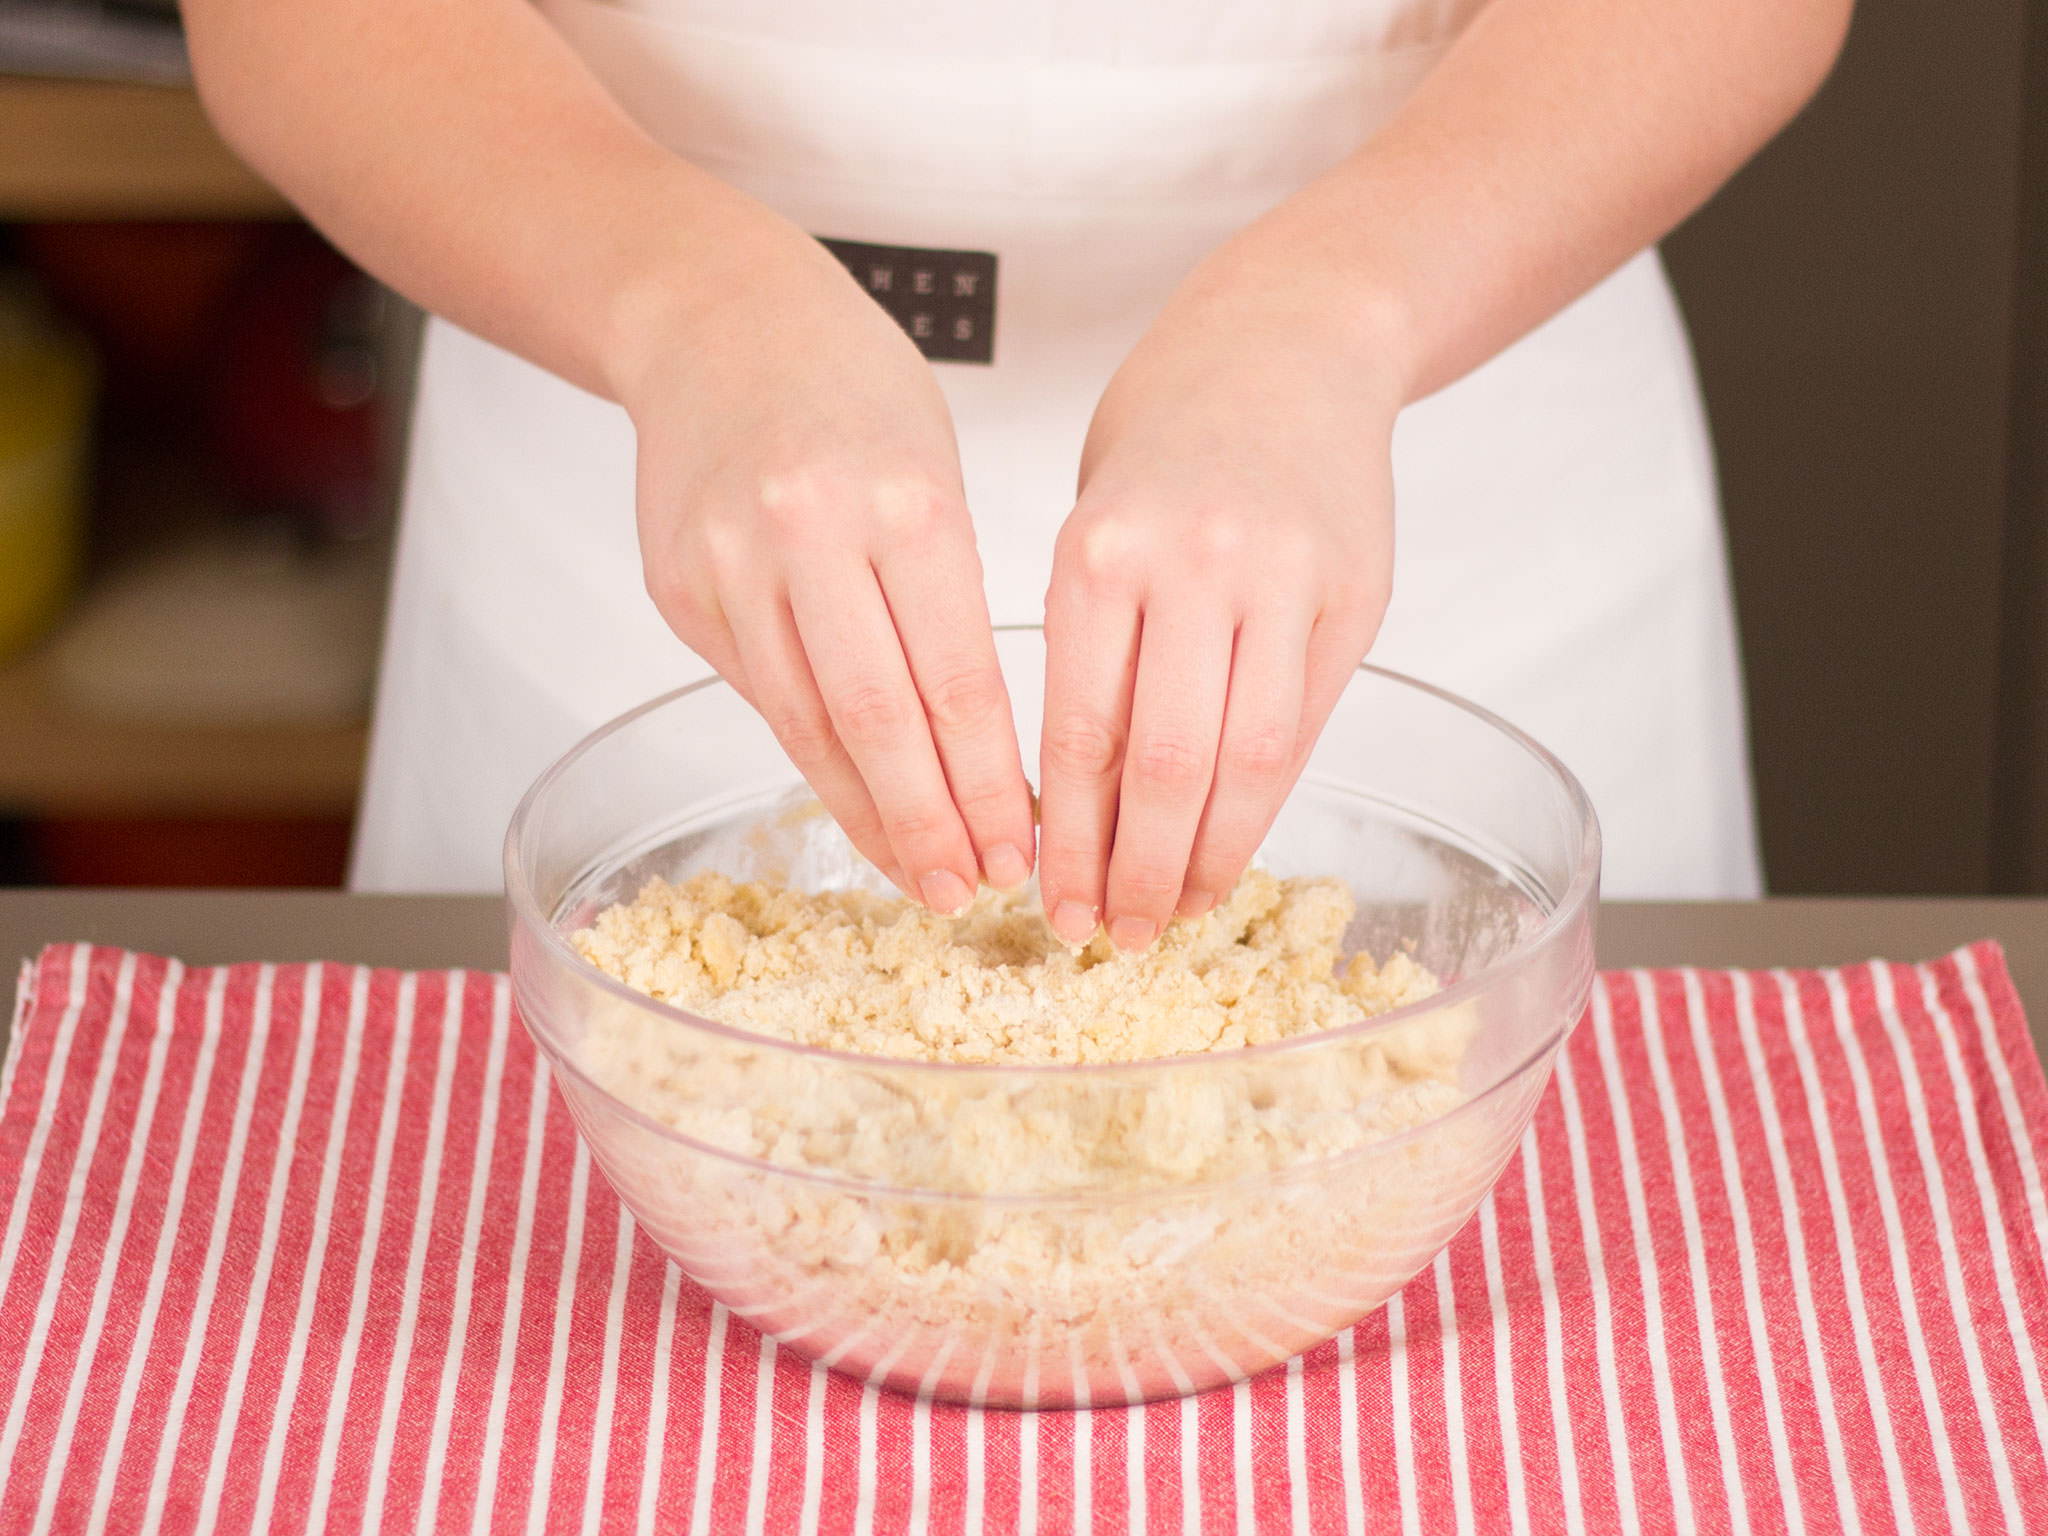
[[1336, 645], [1177, 709], [941, 618], [857, 659], [720, 650], [780, 686], [685, 594], [1258, 757], [1091, 652]]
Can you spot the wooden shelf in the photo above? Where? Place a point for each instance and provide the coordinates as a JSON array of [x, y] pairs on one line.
[[91, 150], [74, 149], [53, 763]]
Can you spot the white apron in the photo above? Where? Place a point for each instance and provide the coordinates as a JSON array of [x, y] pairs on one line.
[[1559, 551]]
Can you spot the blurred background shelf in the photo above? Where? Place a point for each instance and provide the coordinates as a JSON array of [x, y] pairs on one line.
[[59, 764], [250, 389], [83, 149]]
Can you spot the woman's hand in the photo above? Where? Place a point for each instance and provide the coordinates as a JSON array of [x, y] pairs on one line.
[[1224, 570], [1228, 560], [803, 528]]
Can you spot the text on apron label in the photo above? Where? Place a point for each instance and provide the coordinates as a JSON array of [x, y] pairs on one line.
[[944, 300]]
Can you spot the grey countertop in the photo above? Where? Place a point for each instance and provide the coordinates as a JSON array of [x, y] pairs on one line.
[[424, 932]]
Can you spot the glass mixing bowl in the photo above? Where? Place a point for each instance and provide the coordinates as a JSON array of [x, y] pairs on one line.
[[1073, 1235]]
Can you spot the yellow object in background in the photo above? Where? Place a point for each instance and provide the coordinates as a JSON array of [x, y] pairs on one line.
[[47, 383]]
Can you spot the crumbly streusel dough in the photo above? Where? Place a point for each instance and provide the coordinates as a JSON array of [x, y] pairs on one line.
[[1029, 1239], [851, 971]]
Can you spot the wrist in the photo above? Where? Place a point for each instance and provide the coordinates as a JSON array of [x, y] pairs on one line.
[[1315, 283], [645, 323], [705, 255]]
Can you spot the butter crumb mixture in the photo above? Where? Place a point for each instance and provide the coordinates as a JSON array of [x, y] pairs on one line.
[[880, 976]]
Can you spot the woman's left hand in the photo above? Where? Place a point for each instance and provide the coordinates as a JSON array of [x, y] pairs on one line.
[[1224, 570]]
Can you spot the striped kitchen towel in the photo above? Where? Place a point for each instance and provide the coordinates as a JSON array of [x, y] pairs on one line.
[[303, 1248]]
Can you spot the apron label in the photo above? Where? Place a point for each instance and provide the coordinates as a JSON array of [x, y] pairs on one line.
[[944, 300]]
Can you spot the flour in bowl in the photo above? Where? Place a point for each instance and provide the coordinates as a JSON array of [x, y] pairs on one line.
[[878, 976], [947, 1229]]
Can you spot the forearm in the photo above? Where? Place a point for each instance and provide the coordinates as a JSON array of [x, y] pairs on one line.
[[1556, 139], [461, 152]]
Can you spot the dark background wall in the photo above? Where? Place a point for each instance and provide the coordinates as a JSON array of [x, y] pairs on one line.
[[1866, 355]]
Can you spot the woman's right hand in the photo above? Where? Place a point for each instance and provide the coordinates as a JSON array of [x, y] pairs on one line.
[[804, 529]]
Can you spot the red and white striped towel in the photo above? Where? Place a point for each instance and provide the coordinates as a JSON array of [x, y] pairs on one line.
[[295, 1248]]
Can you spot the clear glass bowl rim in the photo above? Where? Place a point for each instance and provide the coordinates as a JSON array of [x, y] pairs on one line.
[[527, 913]]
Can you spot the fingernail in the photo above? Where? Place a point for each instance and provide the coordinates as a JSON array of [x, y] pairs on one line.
[[1005, 867], [1195, 903], [1074, 922], [945, 892], [1132, 933]]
